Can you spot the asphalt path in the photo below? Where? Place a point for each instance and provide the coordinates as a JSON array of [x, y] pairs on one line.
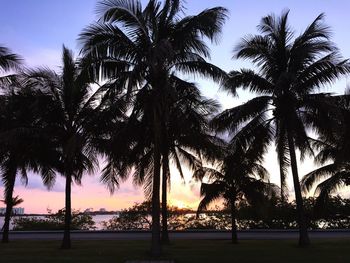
[[178, 235]]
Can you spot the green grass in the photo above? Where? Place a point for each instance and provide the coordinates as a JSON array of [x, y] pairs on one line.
[[187, 251]]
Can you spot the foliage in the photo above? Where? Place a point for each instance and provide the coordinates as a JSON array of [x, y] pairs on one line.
[[333, 155], [144, 51], [80, 221], [239, 177], [137, 217], [275, 215], [69, 111], [8, 62], [289, 72], [146, 115], [16, 200], [24, 145]]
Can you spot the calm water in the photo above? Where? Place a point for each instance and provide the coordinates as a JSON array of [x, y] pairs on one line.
[[98, 219]]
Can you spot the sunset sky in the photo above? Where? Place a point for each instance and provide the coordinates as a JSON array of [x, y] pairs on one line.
[[37, 29]]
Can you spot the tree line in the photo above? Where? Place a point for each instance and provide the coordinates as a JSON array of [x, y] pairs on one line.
[[127, 98], [274, 214]]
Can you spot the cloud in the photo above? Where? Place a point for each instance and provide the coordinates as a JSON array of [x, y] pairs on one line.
[[128, 190], [35, 182]]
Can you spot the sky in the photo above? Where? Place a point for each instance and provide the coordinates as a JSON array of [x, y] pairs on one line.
[[37, 29]]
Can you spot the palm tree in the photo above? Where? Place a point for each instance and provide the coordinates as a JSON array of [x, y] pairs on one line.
[[291, 71], [23, 146], [69, 113], [15, 201], [8, 62], [139, 49], [129, 139], [188, 138], [238, 177], [333, 155]]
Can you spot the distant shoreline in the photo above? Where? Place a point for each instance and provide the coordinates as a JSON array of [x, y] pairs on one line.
[[117, 212], [89, 213]]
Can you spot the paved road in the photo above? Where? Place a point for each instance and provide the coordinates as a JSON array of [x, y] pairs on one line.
[[139, 235]]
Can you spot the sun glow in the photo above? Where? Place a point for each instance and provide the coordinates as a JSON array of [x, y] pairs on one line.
[[179, 204]]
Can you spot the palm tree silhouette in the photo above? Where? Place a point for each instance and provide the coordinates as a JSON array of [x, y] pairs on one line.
[[70, 111], [333, 153], [187, 139], [127, 140], [15, 201], [291, 70], [23, 145], [8, 62], [139, 49], [238, 176]]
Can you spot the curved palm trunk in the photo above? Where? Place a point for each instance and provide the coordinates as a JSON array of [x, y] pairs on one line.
[[66, 242], [165, 166], [156, 246], [303, 234], [234, 238], [8, 212]]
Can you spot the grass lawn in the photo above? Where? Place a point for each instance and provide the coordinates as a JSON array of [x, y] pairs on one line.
[[187, 251]]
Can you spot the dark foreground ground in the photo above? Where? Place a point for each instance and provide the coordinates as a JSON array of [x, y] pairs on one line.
[[182, 251], [180, 235]]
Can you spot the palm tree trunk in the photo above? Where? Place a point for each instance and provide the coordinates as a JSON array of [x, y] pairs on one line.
[[282, 184], [156, 245], [66, 242], [303, 234], [234, 237], [8, 212], [165, 166]]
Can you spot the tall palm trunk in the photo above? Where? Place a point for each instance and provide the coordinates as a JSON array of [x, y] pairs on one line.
[[234, 237], [156, 245], [282, 177], [8, 212], [165, 166], [303, 234], [66, 242]]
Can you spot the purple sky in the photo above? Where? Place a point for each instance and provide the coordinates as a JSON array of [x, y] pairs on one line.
[[37, 29]]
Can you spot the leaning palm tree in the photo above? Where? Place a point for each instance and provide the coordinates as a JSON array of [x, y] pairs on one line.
[[70, 111], [239, 176], [138, 50], [333, 155], [8, 62], [290, 72], [23, 145]]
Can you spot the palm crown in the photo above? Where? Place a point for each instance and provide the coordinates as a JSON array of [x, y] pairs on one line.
[[8, 62], [333, 154], [238, 176], [24, 144]]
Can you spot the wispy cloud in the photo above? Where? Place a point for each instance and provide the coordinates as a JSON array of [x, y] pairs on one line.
[[35, 182]]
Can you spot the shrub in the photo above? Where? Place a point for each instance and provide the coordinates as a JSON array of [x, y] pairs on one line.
[[80, 221]]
